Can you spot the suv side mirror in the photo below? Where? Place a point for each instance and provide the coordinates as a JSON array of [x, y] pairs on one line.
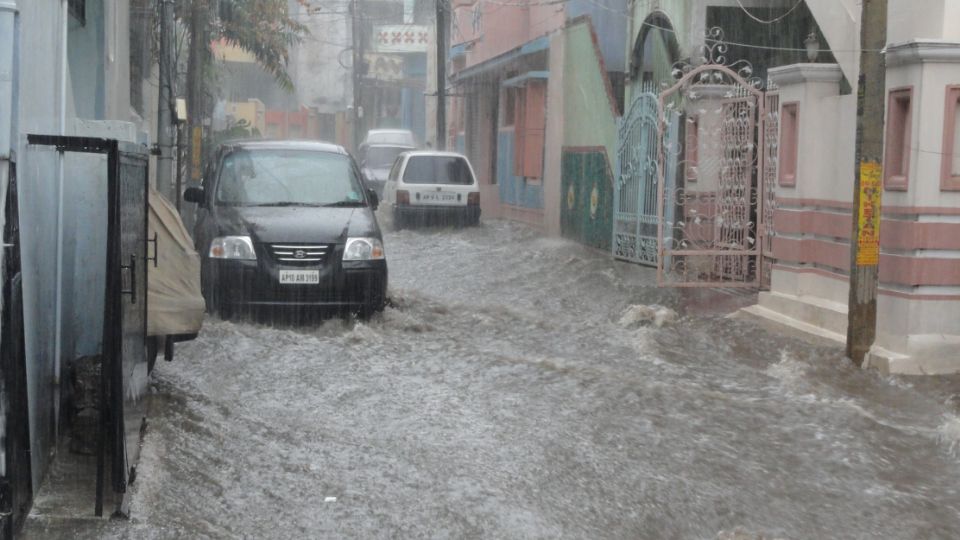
[[374, 199], [195, 195]]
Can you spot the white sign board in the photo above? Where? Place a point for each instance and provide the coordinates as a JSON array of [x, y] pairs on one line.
[[385, 67], [402, 38]]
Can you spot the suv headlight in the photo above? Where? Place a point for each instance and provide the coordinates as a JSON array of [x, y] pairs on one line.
[[363, 249], [232, 247]]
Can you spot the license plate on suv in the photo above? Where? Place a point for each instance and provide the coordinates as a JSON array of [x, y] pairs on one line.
[[299, 277]]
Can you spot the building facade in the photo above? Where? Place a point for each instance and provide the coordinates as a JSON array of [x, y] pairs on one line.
[[81, 68], [918, 305], [552, 112], [520, 72]]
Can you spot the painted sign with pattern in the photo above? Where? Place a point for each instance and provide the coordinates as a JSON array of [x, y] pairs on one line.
[[402, 38]]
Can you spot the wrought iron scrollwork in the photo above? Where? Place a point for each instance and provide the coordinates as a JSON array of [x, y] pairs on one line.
[[713, 53], [711, 160]]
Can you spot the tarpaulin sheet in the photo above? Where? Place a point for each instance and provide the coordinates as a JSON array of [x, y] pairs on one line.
[[174, 302]]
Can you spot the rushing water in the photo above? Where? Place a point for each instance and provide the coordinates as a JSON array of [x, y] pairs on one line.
[[499, 397]]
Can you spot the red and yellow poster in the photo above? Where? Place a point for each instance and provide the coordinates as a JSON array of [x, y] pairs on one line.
[[868, 240]]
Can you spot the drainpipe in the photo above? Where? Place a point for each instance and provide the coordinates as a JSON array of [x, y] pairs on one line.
[[62, 130]]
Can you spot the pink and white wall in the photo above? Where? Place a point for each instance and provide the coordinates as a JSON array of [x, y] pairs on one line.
[[918, 328]]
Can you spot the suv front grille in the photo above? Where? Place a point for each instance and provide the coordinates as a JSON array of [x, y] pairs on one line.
[[311, 254]]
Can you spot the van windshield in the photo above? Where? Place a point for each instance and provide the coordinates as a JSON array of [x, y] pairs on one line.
[[437, 170], [280, 177], [382, 157]]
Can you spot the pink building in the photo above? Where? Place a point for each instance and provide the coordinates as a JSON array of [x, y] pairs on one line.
[[506, 115], [305, 123]]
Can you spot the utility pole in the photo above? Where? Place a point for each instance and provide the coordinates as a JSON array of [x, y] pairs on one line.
[[199, 41], [868, 182], [356, 13], [165, 105], [441, 75]]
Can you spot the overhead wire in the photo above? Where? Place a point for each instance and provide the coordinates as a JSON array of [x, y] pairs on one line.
[[771, 21], [628, 15]]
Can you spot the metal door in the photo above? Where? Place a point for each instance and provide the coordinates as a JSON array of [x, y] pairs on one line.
[[128, 220], [715, 188], [635, 190], [123, 373]]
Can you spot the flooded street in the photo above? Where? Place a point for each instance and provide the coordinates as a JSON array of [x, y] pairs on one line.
[[500, 397]]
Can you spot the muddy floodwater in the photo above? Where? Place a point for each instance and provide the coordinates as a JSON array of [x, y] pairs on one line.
[[500, 397]]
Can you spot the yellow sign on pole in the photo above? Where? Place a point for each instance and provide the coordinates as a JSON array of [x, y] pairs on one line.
[[196, 154], [868, 239]]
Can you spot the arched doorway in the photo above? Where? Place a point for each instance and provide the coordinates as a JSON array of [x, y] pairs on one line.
[[655, 51]]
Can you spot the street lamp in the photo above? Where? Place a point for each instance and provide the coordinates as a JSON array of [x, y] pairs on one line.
[[812, 43]]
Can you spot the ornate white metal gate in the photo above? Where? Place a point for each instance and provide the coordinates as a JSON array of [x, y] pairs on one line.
[[711, 191], [635, 191]]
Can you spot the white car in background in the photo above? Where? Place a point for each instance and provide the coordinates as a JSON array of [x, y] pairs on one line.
[[432, 187], [376, 161], [394, 137]]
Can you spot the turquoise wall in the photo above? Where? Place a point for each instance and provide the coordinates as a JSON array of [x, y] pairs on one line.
[[514, 190]]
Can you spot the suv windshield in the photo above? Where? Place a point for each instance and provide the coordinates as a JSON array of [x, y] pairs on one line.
[[437, 170], [389, 137], [288, 178], [382, 157]]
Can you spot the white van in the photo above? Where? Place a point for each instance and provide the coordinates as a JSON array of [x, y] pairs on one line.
[[428, 186]]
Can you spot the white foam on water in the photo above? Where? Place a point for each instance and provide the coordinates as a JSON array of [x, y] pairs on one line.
[[948, 434], [638, 314], [788, 370], [741, 533]]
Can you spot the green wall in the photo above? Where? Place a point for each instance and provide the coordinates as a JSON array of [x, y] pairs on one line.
[[586, 213]]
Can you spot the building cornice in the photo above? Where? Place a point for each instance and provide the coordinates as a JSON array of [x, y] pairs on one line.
[[922, 51], [804, 73]]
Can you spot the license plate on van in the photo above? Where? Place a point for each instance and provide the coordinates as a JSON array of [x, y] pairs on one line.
[[438, 197], [299, 277]]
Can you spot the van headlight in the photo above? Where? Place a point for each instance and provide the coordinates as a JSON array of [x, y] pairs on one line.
[[363, 249], [232, 247]]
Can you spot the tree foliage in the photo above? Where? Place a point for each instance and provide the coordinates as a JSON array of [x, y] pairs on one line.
[[264, 28]]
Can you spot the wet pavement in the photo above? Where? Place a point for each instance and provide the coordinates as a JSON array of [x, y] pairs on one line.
[[499, 397]]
